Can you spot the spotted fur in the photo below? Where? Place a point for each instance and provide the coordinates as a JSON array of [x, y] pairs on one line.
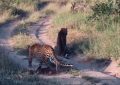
[[45, 53]]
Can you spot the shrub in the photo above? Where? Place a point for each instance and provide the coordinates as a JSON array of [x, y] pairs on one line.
[[105, 9]]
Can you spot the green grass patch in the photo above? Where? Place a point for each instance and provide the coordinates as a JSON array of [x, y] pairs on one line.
[[105, 39], [69, 19]]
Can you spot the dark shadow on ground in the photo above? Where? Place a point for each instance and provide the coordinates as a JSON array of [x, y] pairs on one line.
[[80, 46], [51, 70], [23, 52], [41, 5], [19, 12]]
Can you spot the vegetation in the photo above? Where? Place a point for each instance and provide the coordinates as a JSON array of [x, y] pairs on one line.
[[12, 74], [100, 27], [94, 32], [22, 41]]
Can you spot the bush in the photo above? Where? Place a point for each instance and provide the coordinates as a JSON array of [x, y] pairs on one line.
[[105, 15], [105, 9]]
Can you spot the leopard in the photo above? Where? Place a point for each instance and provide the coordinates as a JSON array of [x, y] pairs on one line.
[[45, 54]]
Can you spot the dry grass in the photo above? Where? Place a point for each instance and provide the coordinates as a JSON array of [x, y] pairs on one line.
[[29, 7], [74, 72], [33, 17], [22, 41], [103, 40], [5, 16], [79, 27]]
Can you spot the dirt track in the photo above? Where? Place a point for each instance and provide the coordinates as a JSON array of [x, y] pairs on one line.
[[88, 72]]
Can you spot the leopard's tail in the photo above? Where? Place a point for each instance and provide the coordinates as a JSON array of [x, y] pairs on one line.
[[68, 65], [56, 62]]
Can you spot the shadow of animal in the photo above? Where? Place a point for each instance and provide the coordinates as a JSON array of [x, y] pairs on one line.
[[80, 46], [41, 5]]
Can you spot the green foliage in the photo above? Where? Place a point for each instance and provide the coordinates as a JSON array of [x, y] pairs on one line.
[[105, 9]]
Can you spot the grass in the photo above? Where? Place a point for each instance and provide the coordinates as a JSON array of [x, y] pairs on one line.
[[97, 38], [13, 74], [102, 34], [91, 79], [74, 72], [106, 43], [76, 24], [22, 41], [5, 16], [68, 19]]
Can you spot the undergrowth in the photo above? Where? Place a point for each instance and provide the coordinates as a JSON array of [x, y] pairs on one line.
[[13, 74]]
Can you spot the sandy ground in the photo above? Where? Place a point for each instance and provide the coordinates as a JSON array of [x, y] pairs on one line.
[[90, 73]]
